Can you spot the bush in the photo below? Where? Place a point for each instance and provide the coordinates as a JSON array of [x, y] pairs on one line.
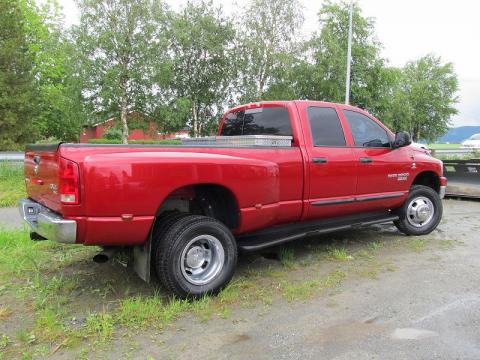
[[113, 134]]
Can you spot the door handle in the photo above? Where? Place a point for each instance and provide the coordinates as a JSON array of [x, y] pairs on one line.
[[366, 160], [319, 160]]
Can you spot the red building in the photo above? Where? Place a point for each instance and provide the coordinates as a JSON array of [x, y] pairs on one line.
[[136, 132]]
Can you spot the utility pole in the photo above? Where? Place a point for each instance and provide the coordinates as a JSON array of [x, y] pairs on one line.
[[349, 55]]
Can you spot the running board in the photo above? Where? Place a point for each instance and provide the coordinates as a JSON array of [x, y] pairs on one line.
[[284, 233]]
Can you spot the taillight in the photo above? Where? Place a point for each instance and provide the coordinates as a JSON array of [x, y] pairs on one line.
[[69, 182]]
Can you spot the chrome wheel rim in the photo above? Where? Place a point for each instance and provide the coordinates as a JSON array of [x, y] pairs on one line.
[[202, 259], [420, 211]]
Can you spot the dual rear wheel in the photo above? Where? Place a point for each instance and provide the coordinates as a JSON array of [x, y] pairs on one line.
[[193, 255]]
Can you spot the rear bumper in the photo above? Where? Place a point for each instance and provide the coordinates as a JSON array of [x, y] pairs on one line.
[[47, 223]]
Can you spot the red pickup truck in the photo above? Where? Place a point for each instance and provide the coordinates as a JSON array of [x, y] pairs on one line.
[[277, 171]]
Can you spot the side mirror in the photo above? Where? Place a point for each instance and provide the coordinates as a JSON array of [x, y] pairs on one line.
[[402, 138]]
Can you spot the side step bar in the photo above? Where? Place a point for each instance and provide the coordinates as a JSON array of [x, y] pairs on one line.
[[284, 233]]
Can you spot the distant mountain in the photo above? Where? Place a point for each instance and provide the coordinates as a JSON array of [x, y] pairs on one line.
[[458, 134]]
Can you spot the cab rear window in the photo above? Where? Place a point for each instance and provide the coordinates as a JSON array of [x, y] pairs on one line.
[[259, 121]]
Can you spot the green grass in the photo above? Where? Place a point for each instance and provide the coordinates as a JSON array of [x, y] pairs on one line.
[[338, 254], [287, 257], [443, 146], [138, 142], [100, 326], [12, 184], [140, 312], [418, 244]]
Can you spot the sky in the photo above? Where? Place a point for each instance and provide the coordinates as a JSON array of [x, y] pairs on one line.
[[408, 30]]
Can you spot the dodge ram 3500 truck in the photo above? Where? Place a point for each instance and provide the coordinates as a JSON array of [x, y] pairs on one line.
[[277, 171]]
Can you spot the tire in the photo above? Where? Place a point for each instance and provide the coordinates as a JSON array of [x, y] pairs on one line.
[[421, 213], [197, 255]]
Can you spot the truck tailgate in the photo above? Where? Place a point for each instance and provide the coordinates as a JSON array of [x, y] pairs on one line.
[[42, 175]]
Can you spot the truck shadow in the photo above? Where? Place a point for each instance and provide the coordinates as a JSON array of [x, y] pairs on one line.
[[99, 286]]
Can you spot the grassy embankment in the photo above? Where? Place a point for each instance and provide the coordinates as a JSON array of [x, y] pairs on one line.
[[12, 184]]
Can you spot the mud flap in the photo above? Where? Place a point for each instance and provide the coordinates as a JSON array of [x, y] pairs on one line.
[[141, 260]]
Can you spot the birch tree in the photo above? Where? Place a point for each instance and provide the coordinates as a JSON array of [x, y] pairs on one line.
[[117, 39]]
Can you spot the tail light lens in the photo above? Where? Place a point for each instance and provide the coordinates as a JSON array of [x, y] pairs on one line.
[[69, 182]]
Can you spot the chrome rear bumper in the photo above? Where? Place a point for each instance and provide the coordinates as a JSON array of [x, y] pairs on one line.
[[47, 223]]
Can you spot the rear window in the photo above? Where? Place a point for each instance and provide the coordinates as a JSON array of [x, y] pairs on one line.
[[259, 121]]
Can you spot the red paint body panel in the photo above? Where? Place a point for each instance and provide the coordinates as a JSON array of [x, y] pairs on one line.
[[270, 185]]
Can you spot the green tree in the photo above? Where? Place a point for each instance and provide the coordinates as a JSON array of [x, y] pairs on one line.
[[60, 113], [267, 46], [18, 91], [329, 49], [117, 40], [201, 47], [430, 89]]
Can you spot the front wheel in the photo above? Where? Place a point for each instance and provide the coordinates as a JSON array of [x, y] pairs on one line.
[[197, 255], [421, 213]]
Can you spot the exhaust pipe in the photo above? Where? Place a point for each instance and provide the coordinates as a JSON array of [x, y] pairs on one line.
[[36, 237], [105, 255]]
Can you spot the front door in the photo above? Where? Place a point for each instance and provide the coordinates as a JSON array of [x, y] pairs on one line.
[[383, 172]]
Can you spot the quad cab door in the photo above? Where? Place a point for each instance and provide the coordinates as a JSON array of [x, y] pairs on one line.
[[331, 168], [383, 172]]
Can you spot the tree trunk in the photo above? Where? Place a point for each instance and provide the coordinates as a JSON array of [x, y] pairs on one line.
[[123, 119], [195, 119]]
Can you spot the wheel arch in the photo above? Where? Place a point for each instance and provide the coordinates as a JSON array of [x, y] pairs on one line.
[[428, 178], [210, 199]]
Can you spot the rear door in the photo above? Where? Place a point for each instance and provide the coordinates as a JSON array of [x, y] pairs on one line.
[[331, 168], [383, 172]]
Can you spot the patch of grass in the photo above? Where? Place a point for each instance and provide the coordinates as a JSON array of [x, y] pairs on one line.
[[48, 324], [300, 291], [203, 308], [4, 341], [307, 288], [139, 312], [446, 244], [369, 272], [5, 312], [287, 257], [12, 183], [375, 245], [364, 254], [99, 326], [418, 244], [443, 146], [338, 254], [334, 278], [173, 309]]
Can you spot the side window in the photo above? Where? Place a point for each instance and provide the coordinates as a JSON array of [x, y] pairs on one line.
[[267, 121], [365, 131], [258, 121], [233, 124], [325, 126]]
